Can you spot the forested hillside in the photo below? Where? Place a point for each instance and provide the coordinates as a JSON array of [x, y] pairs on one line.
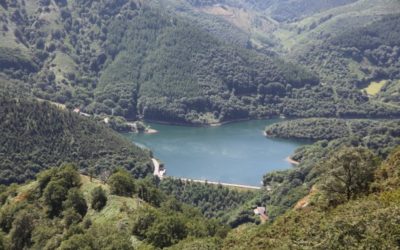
[[130, 59], [181, 74], [153, 61], [329, 129], [36, 135], [367, 53], [345, 42]]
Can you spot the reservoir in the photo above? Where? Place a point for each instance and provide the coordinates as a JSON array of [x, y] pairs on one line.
[[236, 153]]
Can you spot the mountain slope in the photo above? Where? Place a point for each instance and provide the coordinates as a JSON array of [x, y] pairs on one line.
[[135, 60], [369, 221], [179, 72], [36, 135], [141, 60]]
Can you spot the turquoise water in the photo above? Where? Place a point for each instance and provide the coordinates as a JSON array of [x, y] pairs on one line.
[[234, 153]]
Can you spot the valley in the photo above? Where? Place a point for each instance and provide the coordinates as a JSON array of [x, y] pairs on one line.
[[277, 123]]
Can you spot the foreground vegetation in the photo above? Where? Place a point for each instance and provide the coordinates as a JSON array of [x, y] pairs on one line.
[[368, 219], [329, 135], [63, 210], [349, 206]]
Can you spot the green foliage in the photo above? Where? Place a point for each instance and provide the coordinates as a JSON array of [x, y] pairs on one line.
[[198, 244], [7, 215], [37, 135], [172, 223], [289, 186], [313, 129], [369, 221], [71, 216], [387, 176], [358, 224], [44, 235], [383, 32], [54, 195], [76, 201], [16, 59], [350, 171], [374, 134], [176, 70], [22, 230], [60, 190], [148, 192], [166, 231], [355, 55], [99, 198], [143, 222], [121, 183], [142, 60], [164, 81], [213, 201], [3, 242], [27, 224], [78, 241], [99, 237]]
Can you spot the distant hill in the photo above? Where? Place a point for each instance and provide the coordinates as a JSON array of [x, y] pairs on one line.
[[167, 61], [136, 60], [36, 135]]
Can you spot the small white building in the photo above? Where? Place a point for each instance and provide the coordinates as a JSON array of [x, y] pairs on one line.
[[261, 211]]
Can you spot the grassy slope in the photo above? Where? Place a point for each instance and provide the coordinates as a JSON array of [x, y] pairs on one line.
[[117, 211], [375, 87]]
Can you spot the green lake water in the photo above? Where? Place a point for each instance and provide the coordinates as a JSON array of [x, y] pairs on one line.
[[236, 153]]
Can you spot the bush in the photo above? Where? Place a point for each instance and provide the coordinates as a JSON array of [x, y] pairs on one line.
[[99, 198], [22, 230], [71, 217], [76, 201], [121, 183], [54, 195]]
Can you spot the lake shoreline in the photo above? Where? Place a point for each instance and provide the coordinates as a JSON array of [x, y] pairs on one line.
[[237, 154], [233, 185], [217, 124]]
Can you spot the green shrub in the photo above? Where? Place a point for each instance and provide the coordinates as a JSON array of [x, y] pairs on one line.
[[99, 198]]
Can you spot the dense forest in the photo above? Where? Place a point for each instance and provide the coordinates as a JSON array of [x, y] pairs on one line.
[[358, 55], [36, 135], [140, 61], [328, 129], [229, 205]]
